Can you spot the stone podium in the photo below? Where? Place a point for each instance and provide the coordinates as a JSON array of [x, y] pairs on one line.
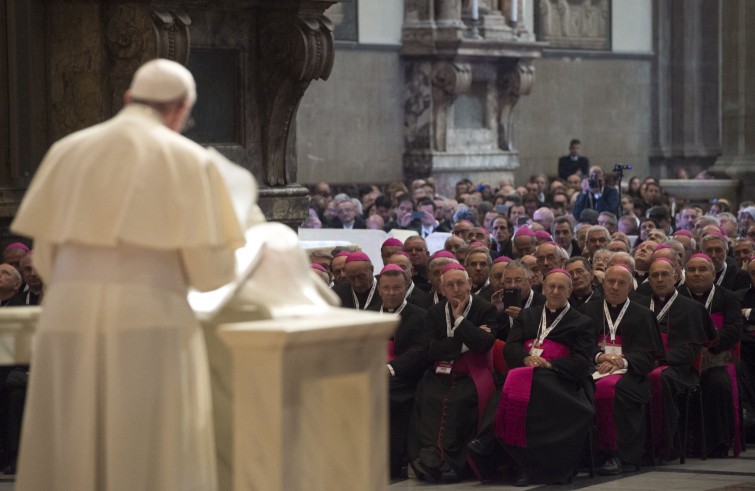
[[310, 401]]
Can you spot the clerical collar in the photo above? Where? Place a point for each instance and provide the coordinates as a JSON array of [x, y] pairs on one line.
[[617, 307], [554, 311], [349, 225]]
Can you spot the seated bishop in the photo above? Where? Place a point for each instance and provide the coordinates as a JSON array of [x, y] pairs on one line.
[[628, 346], [407, 358], [549, 353], [685, 327], [454, 391]]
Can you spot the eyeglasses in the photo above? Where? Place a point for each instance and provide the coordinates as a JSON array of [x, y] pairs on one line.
[[415, 250]]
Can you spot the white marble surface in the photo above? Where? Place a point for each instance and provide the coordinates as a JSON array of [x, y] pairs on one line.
[[17, 326], [310, 402]]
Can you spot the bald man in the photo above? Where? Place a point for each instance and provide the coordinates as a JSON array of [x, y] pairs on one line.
[[628, 344]]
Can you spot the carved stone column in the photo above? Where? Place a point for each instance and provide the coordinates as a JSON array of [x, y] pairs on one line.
[[685, 124], [738, 98], [460, 94]]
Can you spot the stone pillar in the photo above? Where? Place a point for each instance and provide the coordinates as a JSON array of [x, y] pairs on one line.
[[686, 101], [737, 94], [461, 92]]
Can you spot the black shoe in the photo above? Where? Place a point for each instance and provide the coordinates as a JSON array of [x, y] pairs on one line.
[[521, 480], [430, 458], [423, 472], [611, 467], [481, 446]]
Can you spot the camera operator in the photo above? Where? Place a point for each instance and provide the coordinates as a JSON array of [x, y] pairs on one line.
[[595, 194]]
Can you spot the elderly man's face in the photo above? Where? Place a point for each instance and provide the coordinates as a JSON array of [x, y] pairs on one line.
[[517, 278], [537, 275], [617, 284], [645, 251], [716, 249], [346, 212], [525, 245], [516, 212], [699, 275], [417, 251], [402, 262], [392, 289], [662, 278], [581, 277], [548, 258], [10, 278], [596, 240], [359, 275], [388, 251], [455, 285], [453, 244], [557, 288], [496, 275]]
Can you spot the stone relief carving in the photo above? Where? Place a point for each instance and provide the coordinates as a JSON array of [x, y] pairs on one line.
[[417, 105], [134, 35], [574, 24], [296, 49], [513, 82], [448, 80]]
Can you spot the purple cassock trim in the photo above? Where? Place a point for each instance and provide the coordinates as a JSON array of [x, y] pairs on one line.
[[479, 367], [391, 355], [605, 392], [718, 321], [511, 416]]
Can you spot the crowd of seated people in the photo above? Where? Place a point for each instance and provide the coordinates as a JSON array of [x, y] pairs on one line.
[[20, 285], [555, 313]]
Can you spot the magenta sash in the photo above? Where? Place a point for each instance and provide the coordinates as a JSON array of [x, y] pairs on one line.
[[479, 367], [605, 392], [391, 346], [511, 415], [656, 401]]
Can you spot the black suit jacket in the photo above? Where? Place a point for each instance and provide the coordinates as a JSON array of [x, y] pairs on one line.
[[608, 201], [567, 166]]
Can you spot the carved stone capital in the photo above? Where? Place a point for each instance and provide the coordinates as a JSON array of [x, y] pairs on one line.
[[296, 47], [514, 81], [448, 80], [137, 33]]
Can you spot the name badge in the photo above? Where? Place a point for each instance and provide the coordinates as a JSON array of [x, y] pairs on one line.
[[444, 367], [536, 351], [613, 349]]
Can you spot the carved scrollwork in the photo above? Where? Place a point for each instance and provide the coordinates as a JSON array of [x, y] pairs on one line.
[[448, 80], [173, 38], [514, 81], [296, 49]]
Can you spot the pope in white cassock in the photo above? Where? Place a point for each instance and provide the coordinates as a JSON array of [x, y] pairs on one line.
[[125, 216]]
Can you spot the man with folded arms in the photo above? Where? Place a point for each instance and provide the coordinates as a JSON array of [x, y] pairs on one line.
[[628, 345], [454, 391]]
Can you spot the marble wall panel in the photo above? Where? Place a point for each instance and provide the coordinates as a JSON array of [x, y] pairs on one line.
[[351, 129], [603, 102]]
